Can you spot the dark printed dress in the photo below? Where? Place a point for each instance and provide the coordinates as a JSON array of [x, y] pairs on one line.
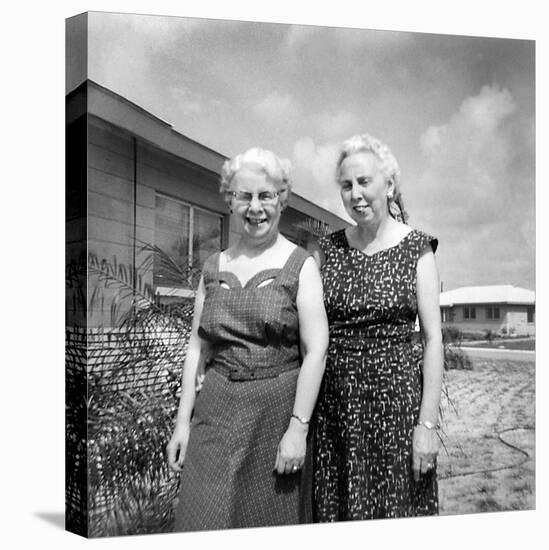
[[371, 392], [245, 405]]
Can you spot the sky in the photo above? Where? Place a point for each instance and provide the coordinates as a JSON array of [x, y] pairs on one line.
[[33, 220], [456, 111]]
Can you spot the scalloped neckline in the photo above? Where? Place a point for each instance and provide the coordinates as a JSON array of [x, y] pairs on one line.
[[262, 274]]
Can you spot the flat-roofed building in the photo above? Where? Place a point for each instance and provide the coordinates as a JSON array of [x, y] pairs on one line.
[[503, 309], [132, 181]]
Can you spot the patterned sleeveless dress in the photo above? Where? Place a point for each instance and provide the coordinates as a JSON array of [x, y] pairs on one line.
[[245, 405], [371, 391]]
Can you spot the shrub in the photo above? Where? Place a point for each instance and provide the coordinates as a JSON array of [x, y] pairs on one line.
[[454, 356], [452, 335]]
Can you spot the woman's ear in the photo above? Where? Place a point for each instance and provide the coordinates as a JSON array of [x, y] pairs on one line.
[[390, 189]]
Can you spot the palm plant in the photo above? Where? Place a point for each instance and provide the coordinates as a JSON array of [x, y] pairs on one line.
[[126, 397]]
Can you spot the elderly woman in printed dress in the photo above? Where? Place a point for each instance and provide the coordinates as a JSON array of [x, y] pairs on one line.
[[376, 437], [241, 444]]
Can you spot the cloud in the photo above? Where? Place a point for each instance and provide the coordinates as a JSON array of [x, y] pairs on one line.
[[347, 40], [300, 35], [276, 106], [335, 126], [164, 31], [468, 158], [477, 189], [314, 174], [352, 39], [478, 118], [187, 101], [486, 110]]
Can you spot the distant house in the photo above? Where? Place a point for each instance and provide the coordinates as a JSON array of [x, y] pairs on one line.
[[503, 309]]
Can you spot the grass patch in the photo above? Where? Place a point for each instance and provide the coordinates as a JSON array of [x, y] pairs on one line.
[[526, 345], [479, 472]]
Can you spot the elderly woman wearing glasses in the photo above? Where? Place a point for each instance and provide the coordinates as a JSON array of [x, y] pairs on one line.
[[241, 443]]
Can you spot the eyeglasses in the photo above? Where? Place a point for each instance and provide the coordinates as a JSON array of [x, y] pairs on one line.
[[264, 197]]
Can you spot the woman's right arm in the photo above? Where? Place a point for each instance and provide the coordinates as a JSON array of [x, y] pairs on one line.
[[178, 443]]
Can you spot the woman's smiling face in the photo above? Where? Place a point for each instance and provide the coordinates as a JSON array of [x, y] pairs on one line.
[[258, 219], [364, 188]]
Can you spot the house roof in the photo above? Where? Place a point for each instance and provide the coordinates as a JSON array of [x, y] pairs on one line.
[[492, 294], [123, 113]]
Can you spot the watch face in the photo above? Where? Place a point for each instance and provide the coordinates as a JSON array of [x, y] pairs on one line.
[[428, 425]]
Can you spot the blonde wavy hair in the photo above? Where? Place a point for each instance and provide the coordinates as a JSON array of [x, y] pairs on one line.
[[365, 143]]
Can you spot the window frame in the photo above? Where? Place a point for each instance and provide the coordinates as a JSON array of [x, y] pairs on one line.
[[186, 291], [469, 313], [493, 313]]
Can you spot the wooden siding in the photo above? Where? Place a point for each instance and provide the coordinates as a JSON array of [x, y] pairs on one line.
[[123, 178], [75, 212]]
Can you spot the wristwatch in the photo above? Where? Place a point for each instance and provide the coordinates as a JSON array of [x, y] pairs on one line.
[[301, 419], [427, 424]]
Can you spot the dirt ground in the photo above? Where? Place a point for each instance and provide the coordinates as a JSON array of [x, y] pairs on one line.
[[489, 461]]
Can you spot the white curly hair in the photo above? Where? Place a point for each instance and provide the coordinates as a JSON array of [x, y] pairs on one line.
[[276, 169]]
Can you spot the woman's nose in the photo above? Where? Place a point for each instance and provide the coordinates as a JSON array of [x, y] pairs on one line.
[[255, 204], [356, 190]]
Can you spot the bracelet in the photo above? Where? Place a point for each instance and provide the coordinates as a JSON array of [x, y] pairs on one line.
[[301, 419], [428, 425]]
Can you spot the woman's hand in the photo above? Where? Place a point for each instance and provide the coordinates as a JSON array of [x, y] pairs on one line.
[[290, 454], [425, 445], [177, 446]]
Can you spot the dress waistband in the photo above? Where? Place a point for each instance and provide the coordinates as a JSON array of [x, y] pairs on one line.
[[241, 374], [359, 343]]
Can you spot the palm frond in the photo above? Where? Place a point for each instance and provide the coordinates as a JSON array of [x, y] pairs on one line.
[[132, 379], [314, 227]]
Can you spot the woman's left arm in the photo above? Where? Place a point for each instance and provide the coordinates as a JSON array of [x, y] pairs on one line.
[[313, 334], [425, 440]]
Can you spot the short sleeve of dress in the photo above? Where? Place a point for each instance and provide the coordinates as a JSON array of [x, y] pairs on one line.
[[426, 240], [326, 244]]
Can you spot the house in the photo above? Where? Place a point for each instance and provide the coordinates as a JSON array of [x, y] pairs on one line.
[[134, 183], [132, 180], [503, 309]]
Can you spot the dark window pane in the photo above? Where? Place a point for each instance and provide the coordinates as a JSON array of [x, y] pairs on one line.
[[206, 237], [171, 236], [178, 262]]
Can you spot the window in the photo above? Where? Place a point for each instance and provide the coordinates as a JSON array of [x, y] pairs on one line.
[[185, 236], [492, 312], [530, 314], [469, 312], [447, 315]]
